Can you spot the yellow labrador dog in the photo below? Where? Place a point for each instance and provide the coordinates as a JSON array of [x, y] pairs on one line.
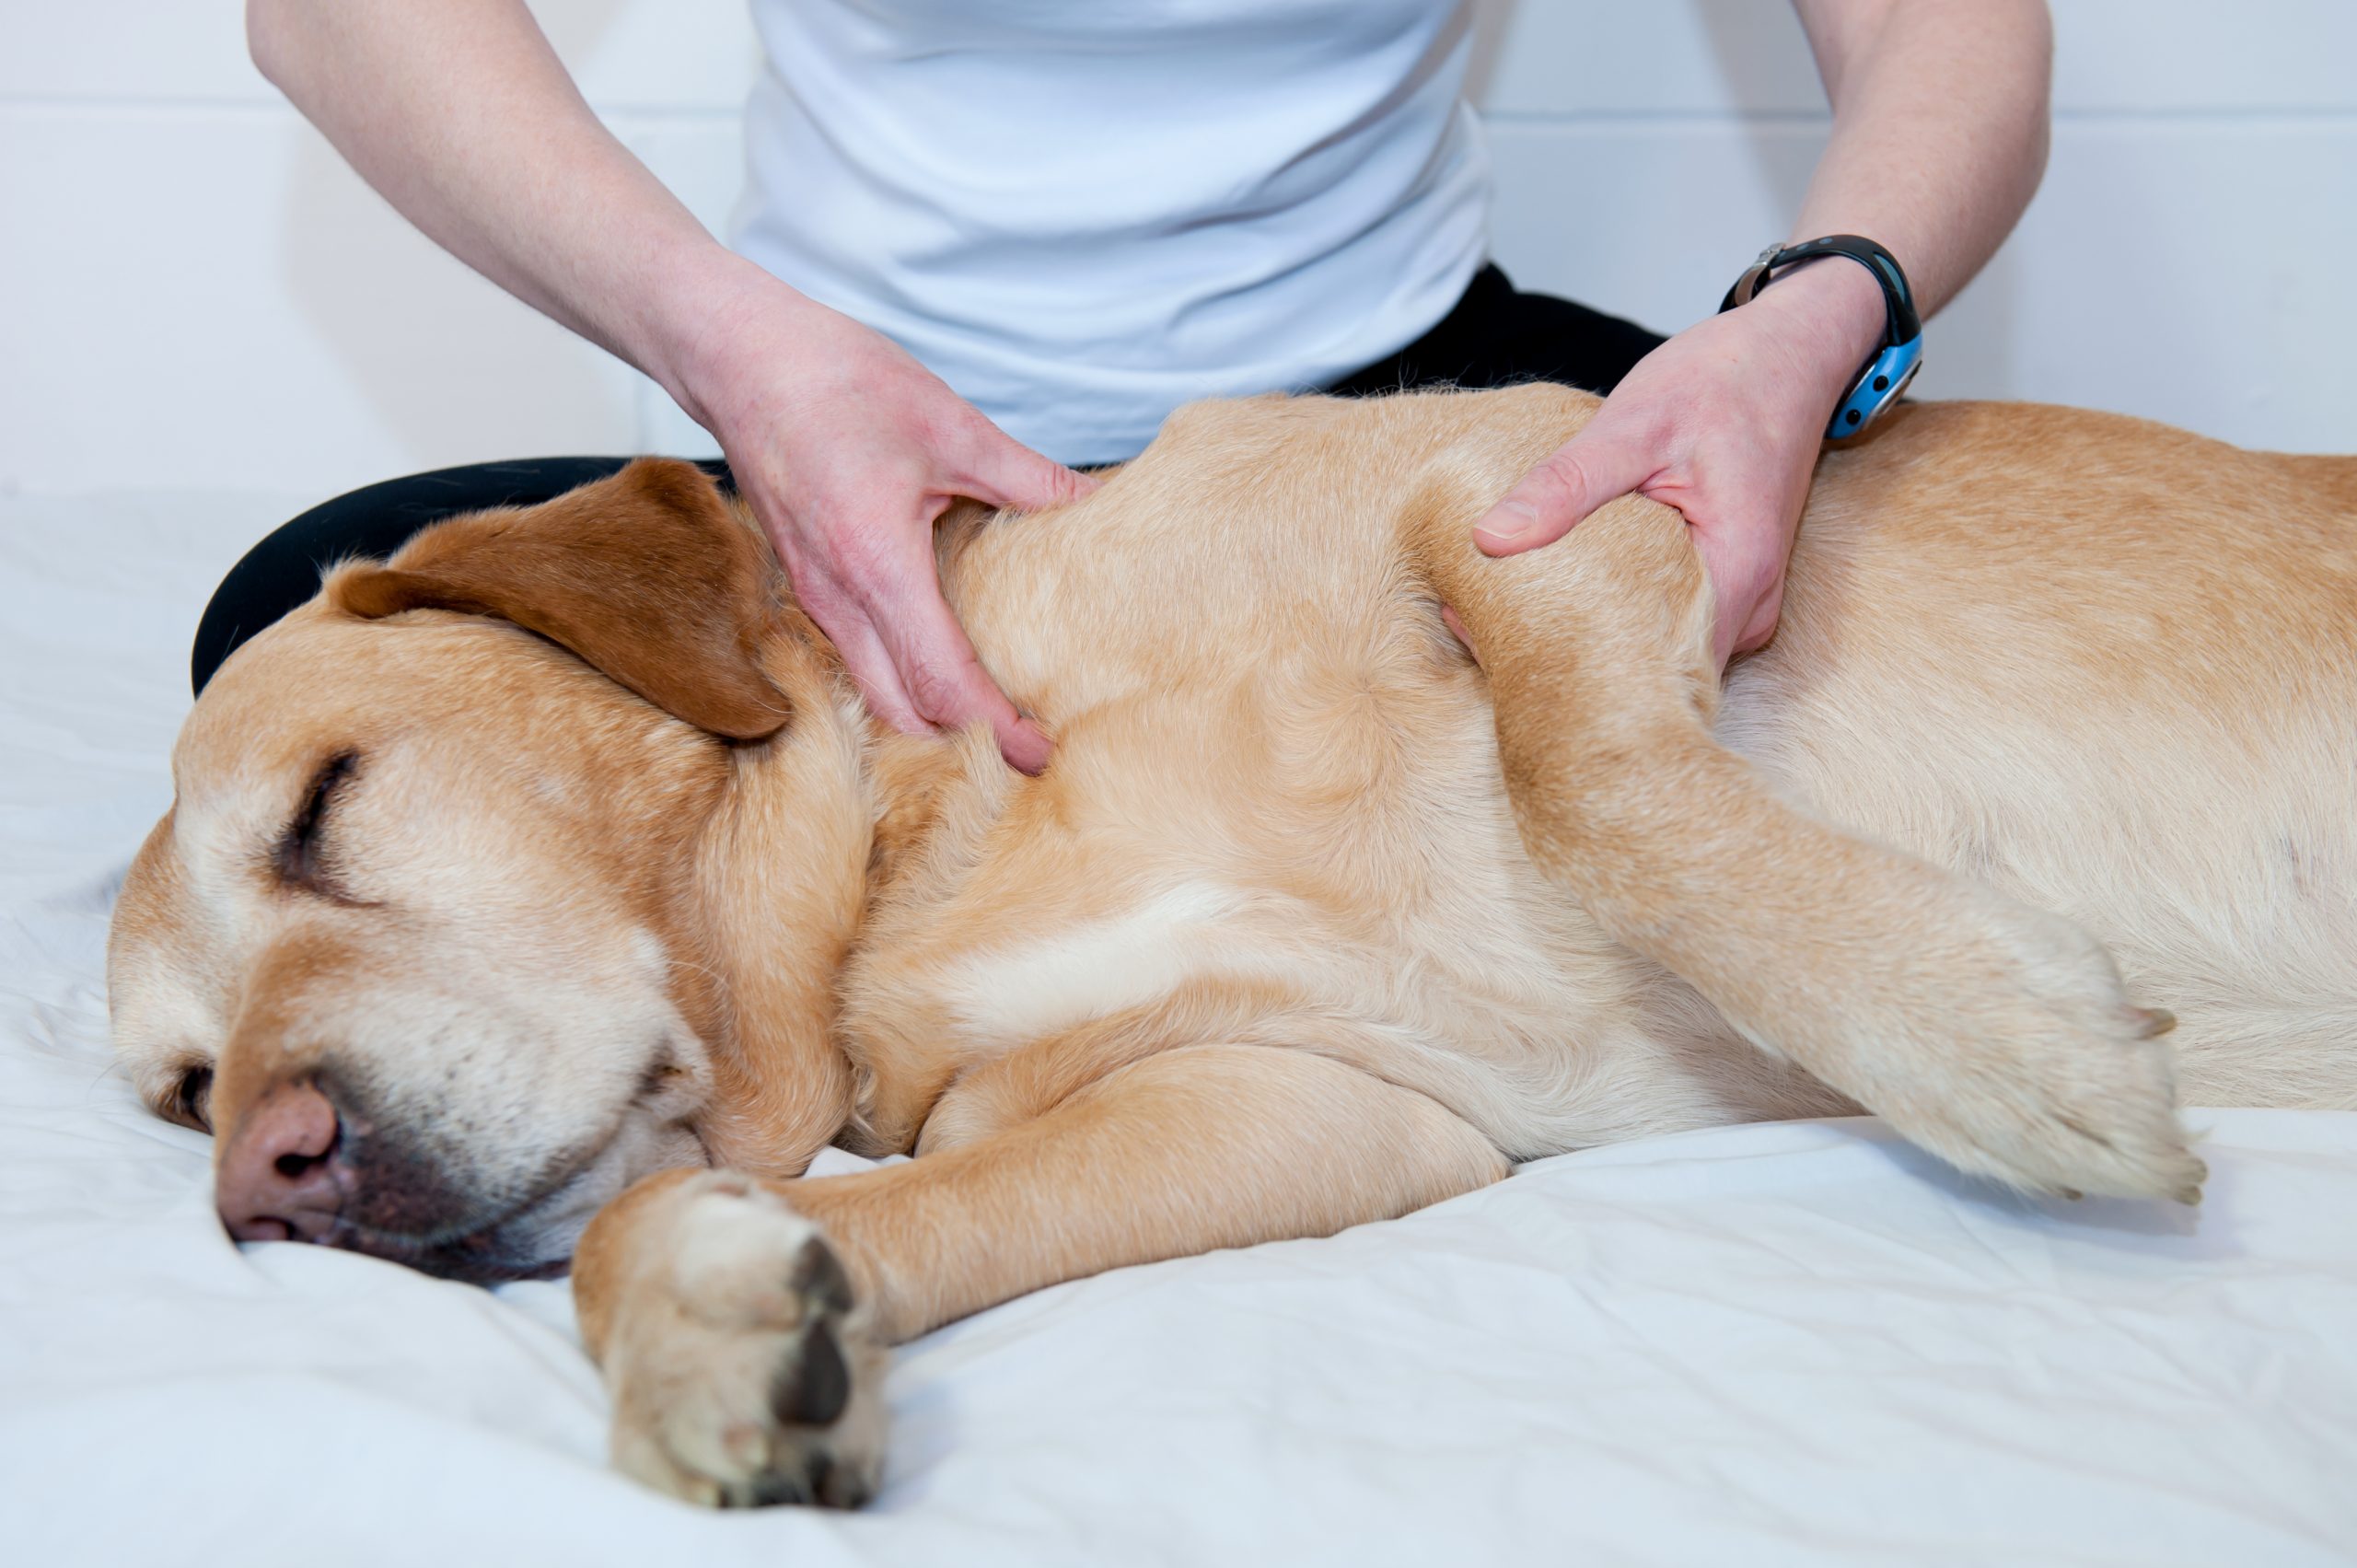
[[550, 875]]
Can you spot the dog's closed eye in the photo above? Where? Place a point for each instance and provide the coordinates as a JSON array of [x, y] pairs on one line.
[[190, 1104], [301, 855]]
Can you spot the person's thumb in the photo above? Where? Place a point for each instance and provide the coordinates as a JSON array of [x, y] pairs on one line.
[[1581, 475], [1012, 475]]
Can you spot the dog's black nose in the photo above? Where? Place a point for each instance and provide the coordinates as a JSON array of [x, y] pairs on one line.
[[282, 1175]]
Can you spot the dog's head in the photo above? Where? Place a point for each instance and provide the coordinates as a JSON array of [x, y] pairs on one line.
[[425, 940]]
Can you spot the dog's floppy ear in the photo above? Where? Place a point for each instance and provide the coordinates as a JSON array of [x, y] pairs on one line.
[[646, 575]]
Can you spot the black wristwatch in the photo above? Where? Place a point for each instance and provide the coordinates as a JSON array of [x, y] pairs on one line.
[[1893, 365]]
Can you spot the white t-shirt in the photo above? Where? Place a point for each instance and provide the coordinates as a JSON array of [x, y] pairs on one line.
[[1081, 214]]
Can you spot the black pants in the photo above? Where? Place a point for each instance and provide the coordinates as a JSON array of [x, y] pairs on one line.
[[1496, 336]]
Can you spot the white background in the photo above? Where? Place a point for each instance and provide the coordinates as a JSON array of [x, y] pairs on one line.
[[195, 294]]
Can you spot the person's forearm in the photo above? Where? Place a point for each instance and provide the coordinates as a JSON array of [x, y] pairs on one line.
[[1940, 111], [845, 447], [461, 116], [1939, 138]]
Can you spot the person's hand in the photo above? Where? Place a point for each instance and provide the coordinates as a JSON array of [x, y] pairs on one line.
[[1722, 422], [848, 450]]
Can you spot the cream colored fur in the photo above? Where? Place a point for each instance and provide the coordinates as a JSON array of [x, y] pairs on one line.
[[1312, 920]]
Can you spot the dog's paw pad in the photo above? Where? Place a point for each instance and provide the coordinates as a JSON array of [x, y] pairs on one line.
[[743, 1374]]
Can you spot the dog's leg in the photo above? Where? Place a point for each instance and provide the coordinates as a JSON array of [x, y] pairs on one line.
[[1993, 1034], [741, 1324]]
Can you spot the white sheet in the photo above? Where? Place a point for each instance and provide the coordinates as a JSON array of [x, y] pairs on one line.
[[1797, 1343]]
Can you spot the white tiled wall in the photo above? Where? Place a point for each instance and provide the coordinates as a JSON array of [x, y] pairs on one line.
[[195, 293]]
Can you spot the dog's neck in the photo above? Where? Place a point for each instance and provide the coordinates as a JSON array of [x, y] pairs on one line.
[[812, 826]]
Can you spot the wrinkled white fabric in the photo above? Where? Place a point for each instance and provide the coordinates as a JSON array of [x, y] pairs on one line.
[[1801, 1344]]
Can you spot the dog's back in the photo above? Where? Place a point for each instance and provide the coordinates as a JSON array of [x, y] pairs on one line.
[[2110, 669], [2101, 665]]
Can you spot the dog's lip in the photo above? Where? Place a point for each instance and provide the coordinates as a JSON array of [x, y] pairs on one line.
[[481, 1257], [485, 1253], [489, 1251]]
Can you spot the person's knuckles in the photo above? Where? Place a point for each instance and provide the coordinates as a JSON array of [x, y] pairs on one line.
[[1001, 472], [1049, 483], [822, 592], [870, 553], [1547, 502], [948, 693], [1559, 486]]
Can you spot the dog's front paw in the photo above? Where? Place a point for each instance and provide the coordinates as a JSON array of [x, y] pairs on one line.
[[2043, 1076], [742, 1372]]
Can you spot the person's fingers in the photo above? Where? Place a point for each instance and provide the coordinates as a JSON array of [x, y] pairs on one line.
[[1456, 629], [1745, 586], [1752, 633], [870, 664], [943, 676], [1584, 473], [1007, 474], [1724, 575], [841, 612]]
